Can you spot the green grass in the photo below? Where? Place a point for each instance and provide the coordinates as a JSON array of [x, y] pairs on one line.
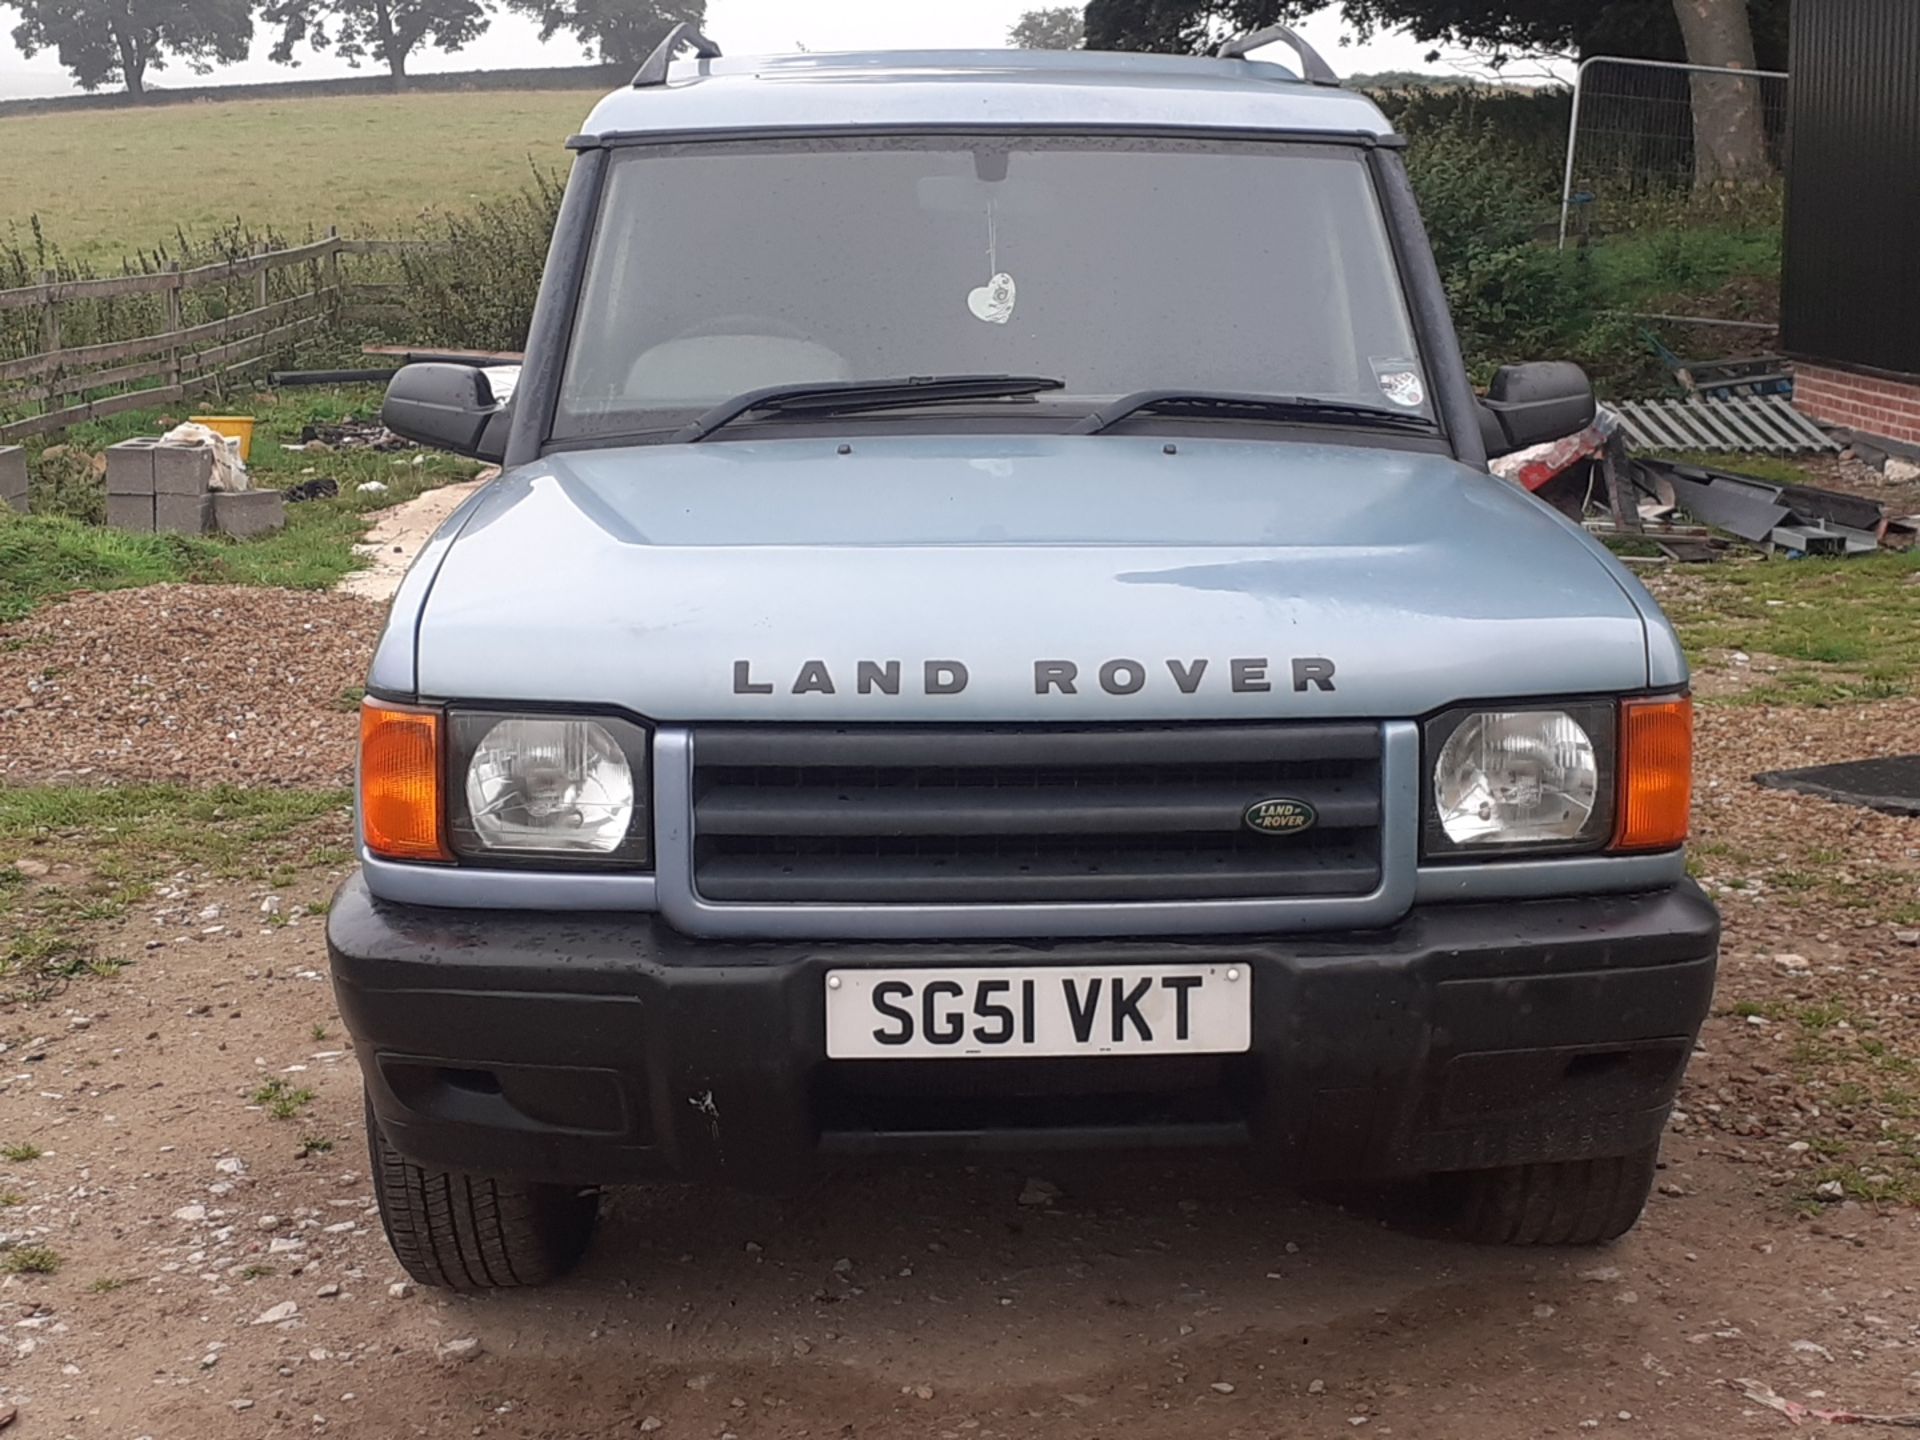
[[108, 183], [1632, 268], [107, 1284], [282, 1100], [1853, 624], [29, 1260], [118, 842], [315, 1145], [20, 1151], [42, 556], [1770, 468]]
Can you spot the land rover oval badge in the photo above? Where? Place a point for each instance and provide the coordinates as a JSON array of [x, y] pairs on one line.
[[1280, 816]]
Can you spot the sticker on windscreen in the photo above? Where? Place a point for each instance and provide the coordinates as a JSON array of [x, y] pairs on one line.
[[1399, 380]]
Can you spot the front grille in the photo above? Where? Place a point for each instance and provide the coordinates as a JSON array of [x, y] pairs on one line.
[[1027, 815]]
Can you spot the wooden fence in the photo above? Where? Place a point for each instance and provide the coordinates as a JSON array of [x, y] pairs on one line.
[[70, 384]]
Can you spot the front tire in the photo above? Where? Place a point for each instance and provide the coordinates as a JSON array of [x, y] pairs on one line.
[[462, 1231], [1570, 1202]]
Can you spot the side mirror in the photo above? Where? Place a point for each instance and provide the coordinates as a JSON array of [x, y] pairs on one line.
[[1533, 404], [448, 407]]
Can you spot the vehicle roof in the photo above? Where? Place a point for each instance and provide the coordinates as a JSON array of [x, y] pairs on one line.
[[986, 87]]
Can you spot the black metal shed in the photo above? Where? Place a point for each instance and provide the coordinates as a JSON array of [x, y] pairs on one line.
[[1851, 275]]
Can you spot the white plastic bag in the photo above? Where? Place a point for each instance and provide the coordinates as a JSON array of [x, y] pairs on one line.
[[229, 471]]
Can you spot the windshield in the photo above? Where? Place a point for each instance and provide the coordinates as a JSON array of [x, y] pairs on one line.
[[1115, 264]]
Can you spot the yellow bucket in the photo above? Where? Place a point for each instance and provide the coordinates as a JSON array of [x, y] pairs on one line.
[[234, 427]]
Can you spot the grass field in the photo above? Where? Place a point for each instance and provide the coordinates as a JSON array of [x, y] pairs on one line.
[[107, 183]]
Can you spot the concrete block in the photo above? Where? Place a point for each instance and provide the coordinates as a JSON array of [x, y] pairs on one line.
[[131, 512], [183, 514], [244, 514], [130, 467], [182, 469], [13, 478]]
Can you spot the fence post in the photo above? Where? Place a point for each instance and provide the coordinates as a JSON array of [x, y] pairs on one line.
[[175, 323], [50, 322], [50, 313], [1573, 138], [260, 280]]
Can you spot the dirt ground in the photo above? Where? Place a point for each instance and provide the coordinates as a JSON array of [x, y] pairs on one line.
[[221, 1274]]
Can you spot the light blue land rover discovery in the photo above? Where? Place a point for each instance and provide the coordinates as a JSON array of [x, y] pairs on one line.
[[996, 631]]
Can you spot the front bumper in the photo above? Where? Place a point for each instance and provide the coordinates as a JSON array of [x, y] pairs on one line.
[[590, 1049]]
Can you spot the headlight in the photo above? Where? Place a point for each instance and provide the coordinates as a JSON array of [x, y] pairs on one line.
[[550, 787], [1538, 780]]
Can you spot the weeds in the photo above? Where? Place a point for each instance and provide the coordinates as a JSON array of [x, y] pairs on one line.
[[315, 1145], [123, 839], [107, 1284], [29, 1260], [1853, 626], [281, 1100], [20, 1151]]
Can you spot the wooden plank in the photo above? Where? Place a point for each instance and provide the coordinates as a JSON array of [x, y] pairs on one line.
[[228, 271], [207, 359], [392, 247], [110, 287], [101, 379], [61, 291], [95, 410], [80, 357], [409, 353]]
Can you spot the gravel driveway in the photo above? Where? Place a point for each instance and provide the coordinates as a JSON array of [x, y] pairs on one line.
[[222, 1276]]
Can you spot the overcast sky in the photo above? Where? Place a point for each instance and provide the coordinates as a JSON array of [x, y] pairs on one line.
[[740, 26]]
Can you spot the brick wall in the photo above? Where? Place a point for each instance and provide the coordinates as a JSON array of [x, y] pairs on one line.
[[1888, 408]]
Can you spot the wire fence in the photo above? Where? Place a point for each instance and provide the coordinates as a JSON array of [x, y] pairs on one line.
[[1653, 144]]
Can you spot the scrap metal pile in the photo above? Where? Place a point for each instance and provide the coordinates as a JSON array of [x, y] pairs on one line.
[[1595, 479]]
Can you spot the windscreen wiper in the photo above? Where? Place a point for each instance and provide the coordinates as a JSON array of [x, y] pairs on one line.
[[1228, 406], [847, 397]]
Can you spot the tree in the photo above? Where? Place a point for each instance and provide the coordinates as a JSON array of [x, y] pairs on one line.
[[1060, 27], [1729, 134], [1729, 122], [107, 42], [387, 30], [620, 32]]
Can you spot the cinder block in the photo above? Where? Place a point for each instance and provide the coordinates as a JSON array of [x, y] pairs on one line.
[[130, 467], [182, 469], [131, 512], [183, 514], [244, 514], [13, 478]]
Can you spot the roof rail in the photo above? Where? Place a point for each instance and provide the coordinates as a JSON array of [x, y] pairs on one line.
[[1312, 67], [654, 70]]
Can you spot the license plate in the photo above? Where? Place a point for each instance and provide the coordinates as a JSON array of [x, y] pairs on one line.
[[1039, 1010]]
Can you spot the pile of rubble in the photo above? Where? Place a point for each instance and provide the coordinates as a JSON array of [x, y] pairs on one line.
[[1594, 478]]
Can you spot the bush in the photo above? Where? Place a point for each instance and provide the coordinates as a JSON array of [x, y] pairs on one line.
[[1486, 200], [476, 289]]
